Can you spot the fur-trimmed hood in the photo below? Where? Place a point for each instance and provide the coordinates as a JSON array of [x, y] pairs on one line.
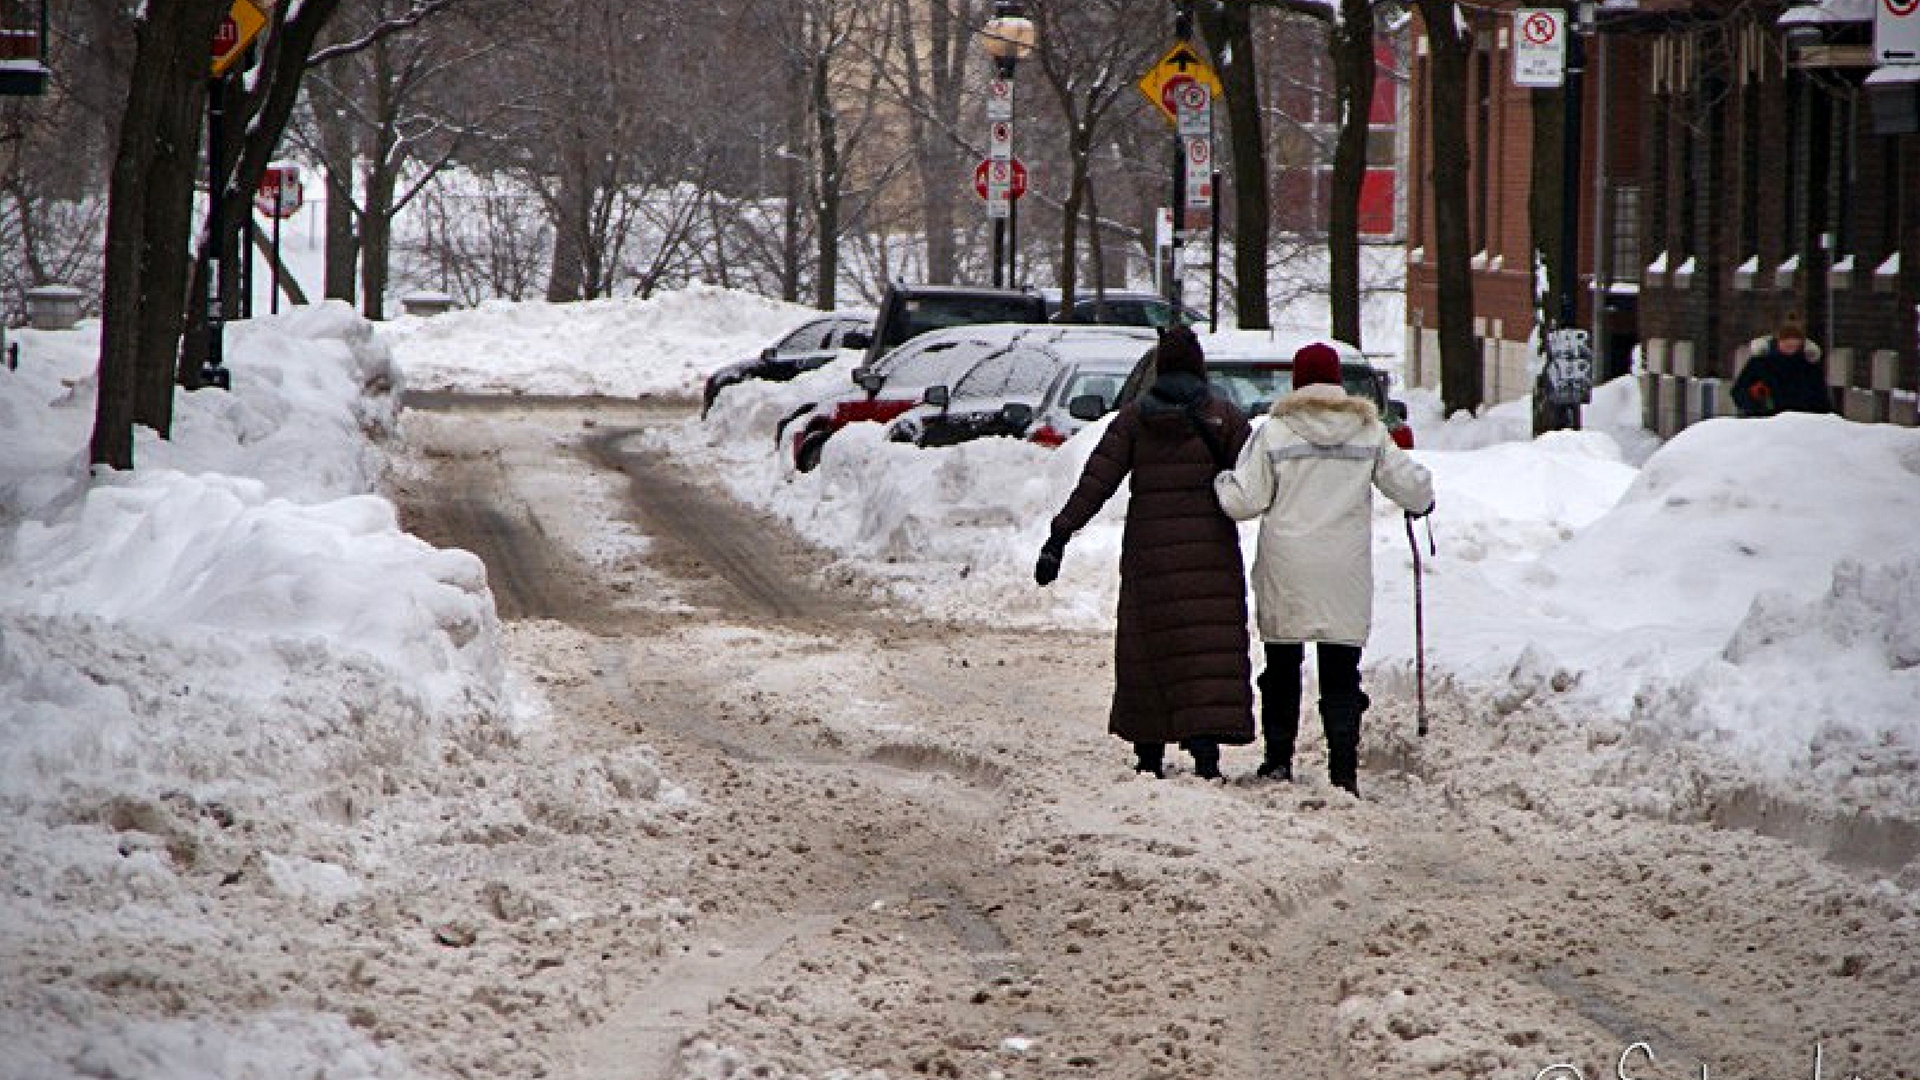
[[1325, 415]]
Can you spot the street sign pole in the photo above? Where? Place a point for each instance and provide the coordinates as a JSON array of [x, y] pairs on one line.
[[1213, 289], [1013, 238], [279, 194], [213, 370], [1570, 201]]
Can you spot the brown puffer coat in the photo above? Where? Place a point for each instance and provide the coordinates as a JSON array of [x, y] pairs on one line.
[[1181, 669]]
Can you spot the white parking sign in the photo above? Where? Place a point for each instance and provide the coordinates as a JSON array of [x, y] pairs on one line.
[[1896, 32], [1539, 47]]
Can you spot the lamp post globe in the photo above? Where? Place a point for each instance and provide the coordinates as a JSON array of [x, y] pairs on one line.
[[1009, 37]]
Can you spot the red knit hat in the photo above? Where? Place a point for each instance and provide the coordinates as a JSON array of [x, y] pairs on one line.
[[1315, 365]]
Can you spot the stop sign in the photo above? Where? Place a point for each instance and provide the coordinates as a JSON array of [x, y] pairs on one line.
[[280, 193], [1015, 178]]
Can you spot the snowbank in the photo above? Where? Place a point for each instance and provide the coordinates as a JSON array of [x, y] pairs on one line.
[[235, 632], [665, 345]]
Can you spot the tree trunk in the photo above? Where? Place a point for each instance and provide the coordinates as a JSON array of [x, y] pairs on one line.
[[1353, 67], [1078, 153], [1229, 32], [376, 236], [940, 168], [793, 191], [1096, 245], [1460, 366], [565, 279], [827, 208], [343, 244], [169, 190], [168, 74]]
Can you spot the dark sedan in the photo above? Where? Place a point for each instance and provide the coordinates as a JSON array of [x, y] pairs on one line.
[[814, 344]]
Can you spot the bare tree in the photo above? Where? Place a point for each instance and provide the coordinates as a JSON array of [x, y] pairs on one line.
[[373, 99], [934, 39], [1091, 51], [1448, 43], [1228, 28]]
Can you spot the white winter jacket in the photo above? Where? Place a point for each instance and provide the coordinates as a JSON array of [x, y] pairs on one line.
[[1309, 475]]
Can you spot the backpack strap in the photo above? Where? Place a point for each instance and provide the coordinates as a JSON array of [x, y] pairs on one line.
[[1214, 449]]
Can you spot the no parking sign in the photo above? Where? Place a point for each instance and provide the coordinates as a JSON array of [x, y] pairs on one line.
[[1540, 47]]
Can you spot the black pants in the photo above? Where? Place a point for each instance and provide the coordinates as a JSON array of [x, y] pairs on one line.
[[1341, 704]]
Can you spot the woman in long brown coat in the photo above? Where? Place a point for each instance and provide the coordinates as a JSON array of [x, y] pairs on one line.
[[1181, 669]]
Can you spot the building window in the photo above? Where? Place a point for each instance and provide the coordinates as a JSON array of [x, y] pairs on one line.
[[1625, 211]]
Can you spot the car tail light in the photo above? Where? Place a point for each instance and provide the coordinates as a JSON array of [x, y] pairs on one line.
[[879, 410], [1047, 435], [1402, 437]]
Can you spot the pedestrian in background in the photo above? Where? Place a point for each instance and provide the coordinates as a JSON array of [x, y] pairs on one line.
[[1309, 476], [1181, 670], [1782, 374]]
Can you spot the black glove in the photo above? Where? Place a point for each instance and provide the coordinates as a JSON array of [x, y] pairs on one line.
[[1051, 553]]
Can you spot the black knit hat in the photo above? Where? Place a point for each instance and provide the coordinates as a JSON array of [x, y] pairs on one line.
[[1180, 351]]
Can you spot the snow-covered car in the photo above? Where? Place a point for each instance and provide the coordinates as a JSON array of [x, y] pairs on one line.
[[1253, 369], [1081, 393], [813, 344], [907, 314], [1003, 391]]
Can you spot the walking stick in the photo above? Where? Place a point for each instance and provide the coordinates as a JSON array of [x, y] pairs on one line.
[[1419, 632]]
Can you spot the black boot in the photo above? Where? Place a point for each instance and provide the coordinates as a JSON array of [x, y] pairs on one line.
[[1280, 709], [1150, 758], [1340, 716], [1206, 758]]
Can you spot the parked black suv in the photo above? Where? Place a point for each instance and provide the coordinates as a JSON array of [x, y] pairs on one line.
[[911, 310]]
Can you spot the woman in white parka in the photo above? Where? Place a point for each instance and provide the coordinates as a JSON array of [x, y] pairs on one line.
[[1309, 475]]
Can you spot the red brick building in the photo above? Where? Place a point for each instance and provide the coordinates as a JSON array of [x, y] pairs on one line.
[[1743, 175], [1304, 101]]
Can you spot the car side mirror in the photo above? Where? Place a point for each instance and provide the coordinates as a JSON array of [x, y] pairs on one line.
[[870, 381], [1397, 411], [768, 353], [856, 339], [1087, 407], [1017, 415], [936, 396]]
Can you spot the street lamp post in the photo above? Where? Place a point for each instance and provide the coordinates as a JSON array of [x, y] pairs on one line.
[[1008, 38]]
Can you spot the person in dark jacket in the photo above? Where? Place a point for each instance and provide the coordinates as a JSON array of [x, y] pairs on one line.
[[1782, 374], [1181, 669]]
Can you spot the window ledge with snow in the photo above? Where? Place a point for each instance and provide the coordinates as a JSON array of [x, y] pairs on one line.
[[1840, 274], [1887, 274], [1783, 277]]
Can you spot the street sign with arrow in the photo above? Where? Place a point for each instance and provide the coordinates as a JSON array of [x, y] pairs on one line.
[[1181, 66], [238, 27]]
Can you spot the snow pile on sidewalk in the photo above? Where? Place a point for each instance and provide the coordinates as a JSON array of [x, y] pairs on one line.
[[235, 633], [666, 345]]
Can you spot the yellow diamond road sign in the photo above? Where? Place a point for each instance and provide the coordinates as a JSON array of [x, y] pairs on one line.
[[1181, 65], [242, 23]]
